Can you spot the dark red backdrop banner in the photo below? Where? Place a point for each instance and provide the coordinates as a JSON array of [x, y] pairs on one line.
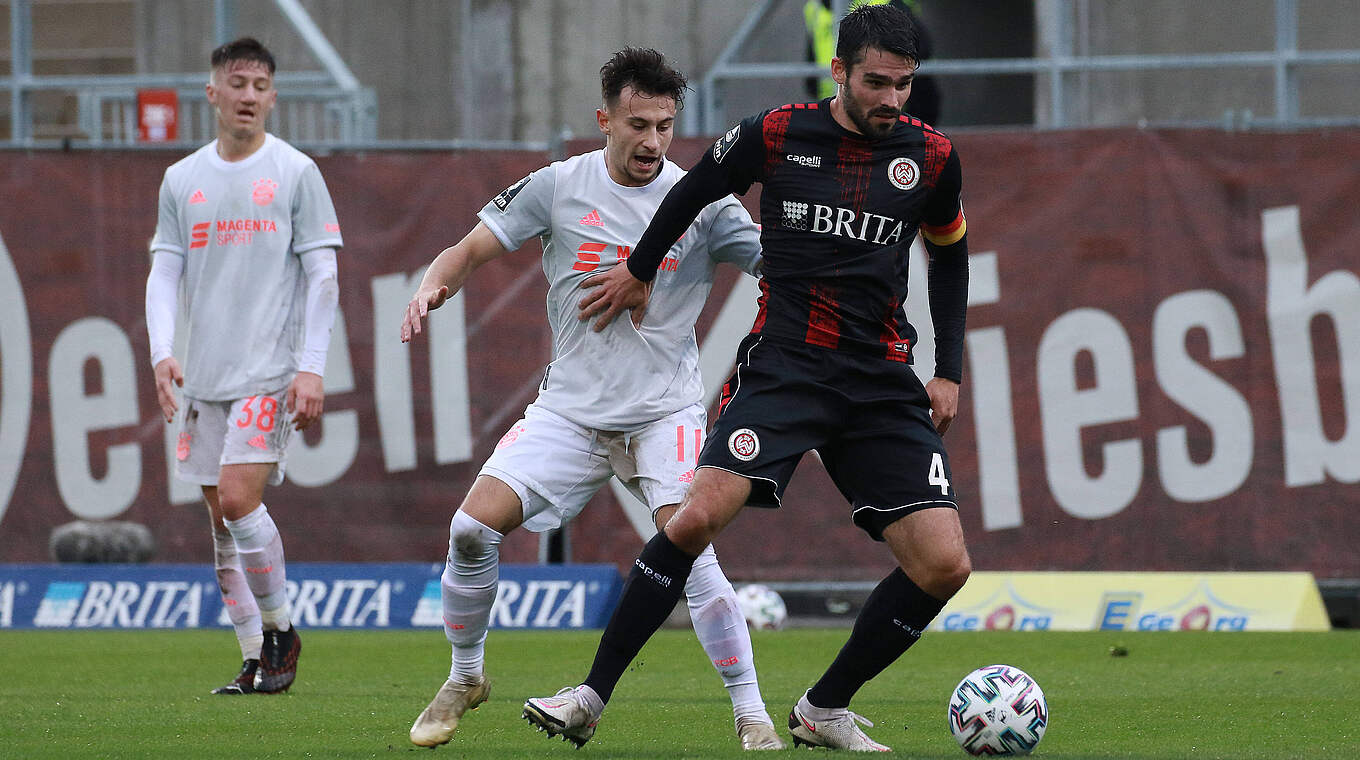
[[1162, 368]]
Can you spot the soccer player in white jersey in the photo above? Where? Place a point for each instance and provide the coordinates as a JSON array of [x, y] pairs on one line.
[[599, 411], [248, 231]]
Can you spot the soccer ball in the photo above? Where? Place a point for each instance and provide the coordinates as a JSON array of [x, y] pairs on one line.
[[998, 710], [762, 607]]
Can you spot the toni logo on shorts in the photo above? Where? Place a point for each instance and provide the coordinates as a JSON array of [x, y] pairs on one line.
[[903, 173], [262, 191], [744, 444]]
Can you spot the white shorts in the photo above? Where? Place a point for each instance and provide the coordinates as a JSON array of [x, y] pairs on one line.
[[245, 431], [557, 466]]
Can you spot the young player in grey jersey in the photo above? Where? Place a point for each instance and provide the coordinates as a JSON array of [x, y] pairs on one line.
[[599, 412], [247, 229]]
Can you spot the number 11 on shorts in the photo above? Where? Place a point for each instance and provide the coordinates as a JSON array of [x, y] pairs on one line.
[[936, 476]]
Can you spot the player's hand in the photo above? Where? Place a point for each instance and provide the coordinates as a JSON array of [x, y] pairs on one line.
[[168, 377], [610, 293], [422, 303], [944, 402], [305, 398]]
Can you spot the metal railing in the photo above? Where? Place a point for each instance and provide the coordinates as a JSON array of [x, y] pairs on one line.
[[327, 107], [705, 114]]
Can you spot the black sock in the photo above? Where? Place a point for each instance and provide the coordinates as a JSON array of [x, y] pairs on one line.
[[653, 588], [893, 618]]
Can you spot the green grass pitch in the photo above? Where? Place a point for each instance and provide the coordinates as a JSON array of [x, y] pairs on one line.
[[143, 694]]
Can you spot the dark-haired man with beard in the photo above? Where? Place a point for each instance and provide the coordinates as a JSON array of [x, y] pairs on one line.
[[847, 184]]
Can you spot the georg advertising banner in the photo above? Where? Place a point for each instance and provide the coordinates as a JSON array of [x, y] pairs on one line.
[[1136, 602]]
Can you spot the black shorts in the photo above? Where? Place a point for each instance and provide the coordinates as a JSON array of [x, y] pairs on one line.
[[868, 418]]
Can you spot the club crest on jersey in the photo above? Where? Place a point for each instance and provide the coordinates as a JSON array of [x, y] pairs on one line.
[[903, 173], [725, 144], [262, 191], [502, 200], [743, 444]]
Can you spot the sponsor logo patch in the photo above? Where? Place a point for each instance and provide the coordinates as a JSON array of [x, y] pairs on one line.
[[743, 444], [903, 173], [502, 200], [811, 162], [725, 144], [795, 216]]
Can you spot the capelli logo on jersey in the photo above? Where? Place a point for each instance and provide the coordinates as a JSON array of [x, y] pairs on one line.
[[842, 222], [811, 162]]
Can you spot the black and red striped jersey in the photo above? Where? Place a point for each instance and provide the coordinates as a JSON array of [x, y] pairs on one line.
[[839, 212]]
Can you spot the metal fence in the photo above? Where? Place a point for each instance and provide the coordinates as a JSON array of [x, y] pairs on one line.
[[1059, 75], [327, 107]]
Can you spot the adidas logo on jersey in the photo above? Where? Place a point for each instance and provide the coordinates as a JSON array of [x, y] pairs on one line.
[[258, 442], [197, 197], [592, 219]]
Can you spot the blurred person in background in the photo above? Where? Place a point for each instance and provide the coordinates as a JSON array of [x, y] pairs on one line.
[[247, 230], [846, 185], [600, 410], [924, 102]]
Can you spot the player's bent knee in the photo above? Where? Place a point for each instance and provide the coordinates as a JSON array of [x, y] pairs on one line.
[[946, 578]]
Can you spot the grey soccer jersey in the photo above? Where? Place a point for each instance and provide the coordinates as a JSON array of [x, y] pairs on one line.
[[623, 377], [240, 227]]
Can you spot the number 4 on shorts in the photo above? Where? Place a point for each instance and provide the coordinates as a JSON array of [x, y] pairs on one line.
[[936, 476]]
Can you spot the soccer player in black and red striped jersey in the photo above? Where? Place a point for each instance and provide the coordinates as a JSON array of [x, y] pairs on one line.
[[847, 184]]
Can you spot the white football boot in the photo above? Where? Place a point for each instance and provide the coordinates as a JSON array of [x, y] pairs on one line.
[[757, 735], [439, 719], [571, 713], [837, 732]]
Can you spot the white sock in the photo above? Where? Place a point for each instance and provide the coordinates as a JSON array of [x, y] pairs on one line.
[[721, 629], [468, 589], [261, 553], [236, 596]]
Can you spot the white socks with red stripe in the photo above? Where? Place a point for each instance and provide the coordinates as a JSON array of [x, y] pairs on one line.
[[261, 554], [468, 589], [721, 628], [236, 596]]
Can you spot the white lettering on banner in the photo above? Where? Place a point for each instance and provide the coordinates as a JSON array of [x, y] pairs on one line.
[[1212, 400], [515, 602], [126, 604], [16, 377], [1292, 304], [1066, 409], [76, 414], [393, 391], [366, 602], [333, 455], [6, 605]]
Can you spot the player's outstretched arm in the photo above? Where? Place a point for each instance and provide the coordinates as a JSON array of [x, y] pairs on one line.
[[610, 293], [447, 274]]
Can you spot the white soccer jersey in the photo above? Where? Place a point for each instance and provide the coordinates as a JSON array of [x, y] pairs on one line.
[[623, 377], [240, 227]]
